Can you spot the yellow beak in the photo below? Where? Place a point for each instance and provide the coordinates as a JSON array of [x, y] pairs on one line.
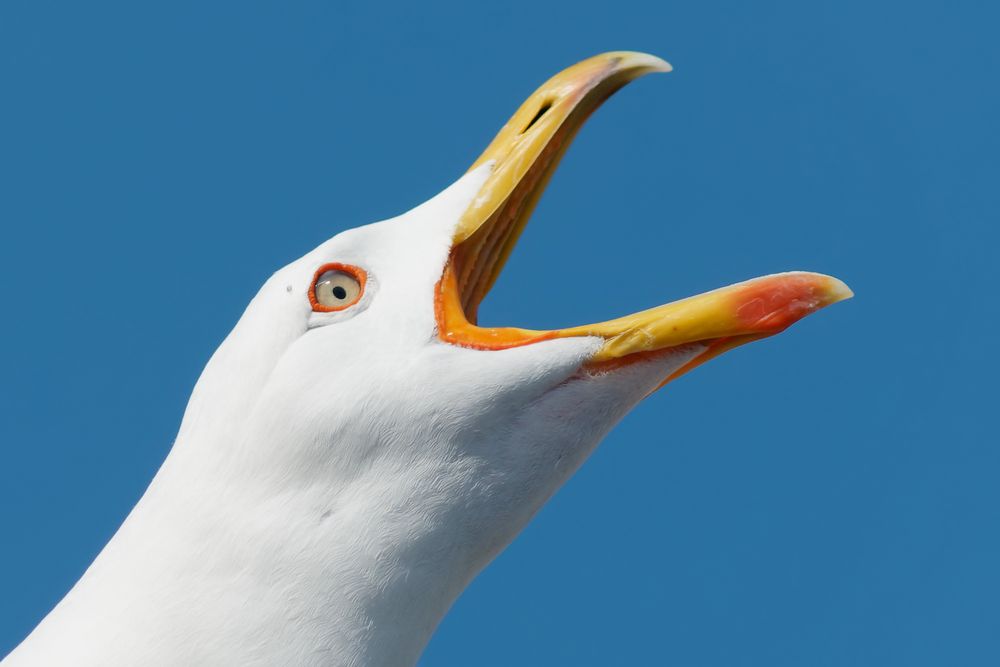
[[524, 155]]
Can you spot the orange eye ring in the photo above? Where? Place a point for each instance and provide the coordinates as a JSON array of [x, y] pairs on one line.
[[356, 273]]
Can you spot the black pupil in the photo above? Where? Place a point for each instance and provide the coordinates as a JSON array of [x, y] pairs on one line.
[[339, 292]]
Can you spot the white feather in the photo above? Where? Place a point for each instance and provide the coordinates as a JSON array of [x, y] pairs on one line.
[[339, 478]]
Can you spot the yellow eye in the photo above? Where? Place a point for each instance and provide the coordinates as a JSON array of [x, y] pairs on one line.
[[336, 286]]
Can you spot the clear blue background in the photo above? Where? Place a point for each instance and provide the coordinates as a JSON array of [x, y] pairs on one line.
[[826, 497]]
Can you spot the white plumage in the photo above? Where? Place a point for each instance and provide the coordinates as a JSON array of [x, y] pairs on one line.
[[340, 477]]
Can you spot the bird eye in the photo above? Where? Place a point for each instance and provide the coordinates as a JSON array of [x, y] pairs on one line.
[[336, 287]]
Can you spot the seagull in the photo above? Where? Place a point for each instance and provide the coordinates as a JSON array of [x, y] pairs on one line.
[[358, 449]]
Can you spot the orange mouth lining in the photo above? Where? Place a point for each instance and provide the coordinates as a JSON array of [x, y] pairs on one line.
[[454, 327]]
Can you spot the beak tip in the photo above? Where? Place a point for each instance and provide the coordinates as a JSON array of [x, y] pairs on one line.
[[837, 290], [640, 62]]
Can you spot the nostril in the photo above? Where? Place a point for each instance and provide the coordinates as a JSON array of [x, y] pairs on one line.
[[541, 112]]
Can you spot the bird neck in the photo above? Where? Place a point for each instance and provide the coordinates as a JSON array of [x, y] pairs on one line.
[[255, 545], [210, 573], [231, 559]]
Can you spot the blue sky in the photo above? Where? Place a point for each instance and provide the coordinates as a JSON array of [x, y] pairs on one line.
[[825, 497]]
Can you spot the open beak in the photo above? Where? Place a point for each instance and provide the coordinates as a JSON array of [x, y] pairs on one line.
[[524, 155]]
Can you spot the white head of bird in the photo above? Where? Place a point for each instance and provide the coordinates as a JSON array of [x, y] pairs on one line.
[[358, 449]]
